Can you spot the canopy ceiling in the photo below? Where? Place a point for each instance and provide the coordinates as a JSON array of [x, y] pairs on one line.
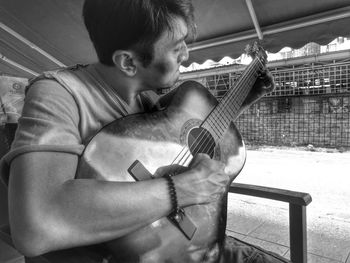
[[38, 35]]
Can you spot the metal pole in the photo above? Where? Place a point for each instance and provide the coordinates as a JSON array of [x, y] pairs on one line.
[[15, 64], [30, 44], [254, 18]]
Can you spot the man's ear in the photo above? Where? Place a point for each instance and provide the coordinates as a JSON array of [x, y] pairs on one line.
[[125, 61]]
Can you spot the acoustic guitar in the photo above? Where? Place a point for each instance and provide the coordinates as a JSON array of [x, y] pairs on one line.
[[135, 147]]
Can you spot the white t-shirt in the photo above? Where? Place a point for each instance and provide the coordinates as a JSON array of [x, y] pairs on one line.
[[63, 110]]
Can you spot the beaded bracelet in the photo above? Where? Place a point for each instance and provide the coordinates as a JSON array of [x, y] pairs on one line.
[[173, 196]]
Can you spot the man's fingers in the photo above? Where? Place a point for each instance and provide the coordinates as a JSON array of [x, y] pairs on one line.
[[266, 77]]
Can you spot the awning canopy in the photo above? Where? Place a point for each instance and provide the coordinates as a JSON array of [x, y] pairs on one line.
[[38, 35]]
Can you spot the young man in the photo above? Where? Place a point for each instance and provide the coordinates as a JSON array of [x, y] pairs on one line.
[[140, 46]]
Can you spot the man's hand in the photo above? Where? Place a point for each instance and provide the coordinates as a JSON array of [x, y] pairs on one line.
[[204, 182], [263, 85]]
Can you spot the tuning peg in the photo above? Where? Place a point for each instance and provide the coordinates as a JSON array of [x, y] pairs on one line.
[[248, 49]]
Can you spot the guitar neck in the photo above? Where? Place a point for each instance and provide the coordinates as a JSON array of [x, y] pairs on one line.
[[228, 108]]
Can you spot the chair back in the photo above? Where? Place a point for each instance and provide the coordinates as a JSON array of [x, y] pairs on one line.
[[7, 134]]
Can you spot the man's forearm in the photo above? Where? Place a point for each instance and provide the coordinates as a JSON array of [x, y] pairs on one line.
[[99, 211], [83, 211]]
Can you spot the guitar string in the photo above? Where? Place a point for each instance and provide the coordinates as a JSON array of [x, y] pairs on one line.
[[219, 115], [225, 104], [203, 132], [201, 140]]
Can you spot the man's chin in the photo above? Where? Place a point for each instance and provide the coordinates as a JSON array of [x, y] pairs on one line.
[[176, 79]]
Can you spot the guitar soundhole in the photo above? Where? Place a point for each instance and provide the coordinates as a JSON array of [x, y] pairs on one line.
[[201, 141]]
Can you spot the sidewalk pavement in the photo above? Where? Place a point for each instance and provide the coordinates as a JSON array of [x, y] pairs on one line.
[[325, 176]]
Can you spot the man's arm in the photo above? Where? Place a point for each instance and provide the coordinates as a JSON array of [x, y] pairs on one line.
[[50, 210]]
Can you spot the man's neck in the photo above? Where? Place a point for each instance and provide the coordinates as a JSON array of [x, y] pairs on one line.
[[125, 87]]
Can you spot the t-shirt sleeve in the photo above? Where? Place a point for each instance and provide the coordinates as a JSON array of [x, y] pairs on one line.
[[49, 122]]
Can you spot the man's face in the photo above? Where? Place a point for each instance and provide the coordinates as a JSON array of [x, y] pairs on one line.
[[170, 51]]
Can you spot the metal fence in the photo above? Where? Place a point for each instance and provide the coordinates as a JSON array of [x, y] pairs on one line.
[[310, 105], [322, 121]]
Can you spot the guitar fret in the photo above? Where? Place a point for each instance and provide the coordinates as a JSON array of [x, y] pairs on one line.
[[222, 121], [221, 128], [231, 109], [231, 115]]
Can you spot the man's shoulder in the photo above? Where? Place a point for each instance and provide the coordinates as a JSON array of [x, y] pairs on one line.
[[58, 79]]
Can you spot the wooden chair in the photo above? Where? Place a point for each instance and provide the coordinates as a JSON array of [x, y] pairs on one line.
[[297, 217], [297, 214]]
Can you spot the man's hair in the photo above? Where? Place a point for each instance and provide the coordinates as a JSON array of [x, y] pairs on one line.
[[132, 25]]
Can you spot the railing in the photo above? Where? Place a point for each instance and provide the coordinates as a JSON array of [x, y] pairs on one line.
[[294, 81]]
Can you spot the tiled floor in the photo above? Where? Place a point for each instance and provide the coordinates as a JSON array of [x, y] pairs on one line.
[[265, 222]]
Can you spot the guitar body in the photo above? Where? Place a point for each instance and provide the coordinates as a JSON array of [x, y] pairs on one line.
[[156, 139]]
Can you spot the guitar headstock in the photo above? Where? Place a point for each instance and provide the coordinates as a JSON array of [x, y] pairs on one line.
[[256, 50]]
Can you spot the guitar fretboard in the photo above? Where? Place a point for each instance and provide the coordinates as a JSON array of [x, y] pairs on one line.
[[228, 108]]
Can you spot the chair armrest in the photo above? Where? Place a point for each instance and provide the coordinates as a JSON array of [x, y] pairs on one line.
[[292, 197], [297, 213]]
